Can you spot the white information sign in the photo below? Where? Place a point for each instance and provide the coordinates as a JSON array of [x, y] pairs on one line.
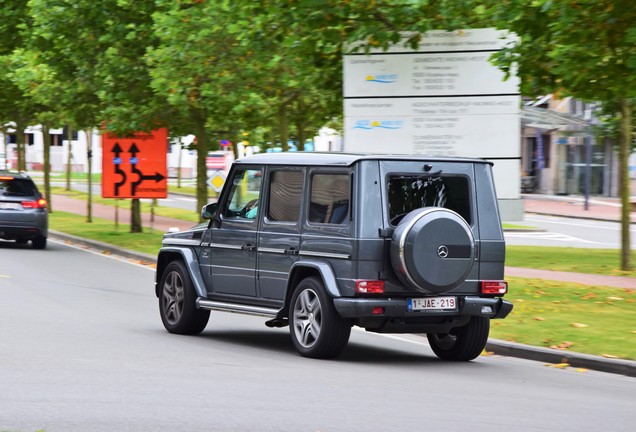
[[446, 99]]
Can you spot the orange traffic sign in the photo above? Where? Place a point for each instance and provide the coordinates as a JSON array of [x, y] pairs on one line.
[[135, 167]]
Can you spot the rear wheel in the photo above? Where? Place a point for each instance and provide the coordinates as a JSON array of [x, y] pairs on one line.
[[177, 302], [39, 242], [461, 343], [317, 331]]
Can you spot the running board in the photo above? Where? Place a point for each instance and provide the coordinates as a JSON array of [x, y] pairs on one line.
[[235, 307]]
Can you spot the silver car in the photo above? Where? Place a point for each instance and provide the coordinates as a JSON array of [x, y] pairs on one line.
[[23, 210]]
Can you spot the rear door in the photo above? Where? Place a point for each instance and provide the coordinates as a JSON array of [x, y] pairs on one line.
[[279, 237]]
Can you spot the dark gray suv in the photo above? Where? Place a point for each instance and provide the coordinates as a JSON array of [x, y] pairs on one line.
[[23, 210], [322, 242]]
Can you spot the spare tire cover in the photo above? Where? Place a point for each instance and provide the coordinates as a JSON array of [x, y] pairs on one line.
[[432, 249]]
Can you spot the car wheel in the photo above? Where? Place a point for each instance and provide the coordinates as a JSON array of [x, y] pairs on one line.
[[39, 242], [317, 331], [177, 302], [462, 343]]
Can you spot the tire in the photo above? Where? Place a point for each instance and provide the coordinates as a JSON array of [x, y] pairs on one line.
[[462, 343], [177, 302], [39, 242], [317, 331]]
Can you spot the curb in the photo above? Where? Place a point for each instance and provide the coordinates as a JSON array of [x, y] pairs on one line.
[[548, 355], [499, 347], [600, 219]]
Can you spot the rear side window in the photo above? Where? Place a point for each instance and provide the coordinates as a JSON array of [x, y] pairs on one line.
[[407, 193], [285, 193], [17, 187], [330, 199]]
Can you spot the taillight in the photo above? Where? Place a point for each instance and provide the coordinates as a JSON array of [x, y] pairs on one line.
[[41, 203], [369, 286], [494, 287]]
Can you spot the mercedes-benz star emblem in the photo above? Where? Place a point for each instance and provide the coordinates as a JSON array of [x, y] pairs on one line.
[[442, 251]]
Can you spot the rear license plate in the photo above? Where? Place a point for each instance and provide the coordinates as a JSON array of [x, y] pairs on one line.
[[432, 303], [10, 206]]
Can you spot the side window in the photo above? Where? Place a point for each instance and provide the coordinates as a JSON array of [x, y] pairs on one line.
[[244, 195], [330, 198], [285, 194]]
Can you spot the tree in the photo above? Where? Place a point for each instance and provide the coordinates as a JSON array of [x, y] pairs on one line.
[[577, 48]]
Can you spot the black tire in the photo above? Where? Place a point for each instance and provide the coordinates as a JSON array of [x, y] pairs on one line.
[[462, 343], [39, 242], [317, 331], [177, 302]]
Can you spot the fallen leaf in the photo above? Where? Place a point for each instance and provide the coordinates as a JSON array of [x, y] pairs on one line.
[[539, 319], [581, 370], [614, 298], [578, 325], [609, 356], [558, 365]]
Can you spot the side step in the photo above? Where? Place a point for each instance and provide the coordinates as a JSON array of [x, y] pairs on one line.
[[235, 307]]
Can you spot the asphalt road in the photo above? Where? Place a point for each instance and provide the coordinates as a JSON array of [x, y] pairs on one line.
[[82, 348], [569, 232]]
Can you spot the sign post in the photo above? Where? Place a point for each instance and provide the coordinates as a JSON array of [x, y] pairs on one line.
[[135, 167]]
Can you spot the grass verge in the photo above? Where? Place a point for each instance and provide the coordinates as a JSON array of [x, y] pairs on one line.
[[580, 260], [571, 317], [104, 230]]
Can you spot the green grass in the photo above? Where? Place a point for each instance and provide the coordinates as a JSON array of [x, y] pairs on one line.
[[104, 230], [586, 319], [581, 260], [507, 225]]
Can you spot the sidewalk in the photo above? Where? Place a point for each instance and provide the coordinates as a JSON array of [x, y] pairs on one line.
[[599, 208]]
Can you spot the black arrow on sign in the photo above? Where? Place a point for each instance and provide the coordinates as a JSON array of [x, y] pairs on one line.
[[157, 177], [116, 150]]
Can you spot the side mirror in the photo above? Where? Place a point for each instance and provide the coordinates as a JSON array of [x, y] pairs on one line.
[[209, 210]]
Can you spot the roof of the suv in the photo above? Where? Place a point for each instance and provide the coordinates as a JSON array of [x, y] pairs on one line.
[[340, 159], [14, 174]]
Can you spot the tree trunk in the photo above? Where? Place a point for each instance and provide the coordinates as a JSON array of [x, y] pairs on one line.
[[283, 127], [89, 158], [135, 216], [19, 142], [624, 151], [202, 170], [47, 166], [69, 158]]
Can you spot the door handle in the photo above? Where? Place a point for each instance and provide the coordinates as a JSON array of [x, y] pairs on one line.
[[248, 247], [291, 251]]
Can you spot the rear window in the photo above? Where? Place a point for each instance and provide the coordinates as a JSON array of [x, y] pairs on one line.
[[17, 187], [409, 192]]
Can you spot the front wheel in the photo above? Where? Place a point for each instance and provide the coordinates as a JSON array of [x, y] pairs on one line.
[[462, 343], [177, 298], [317, 331]]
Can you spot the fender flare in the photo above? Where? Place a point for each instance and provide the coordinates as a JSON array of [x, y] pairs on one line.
[[192, 264], [324, 270]]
